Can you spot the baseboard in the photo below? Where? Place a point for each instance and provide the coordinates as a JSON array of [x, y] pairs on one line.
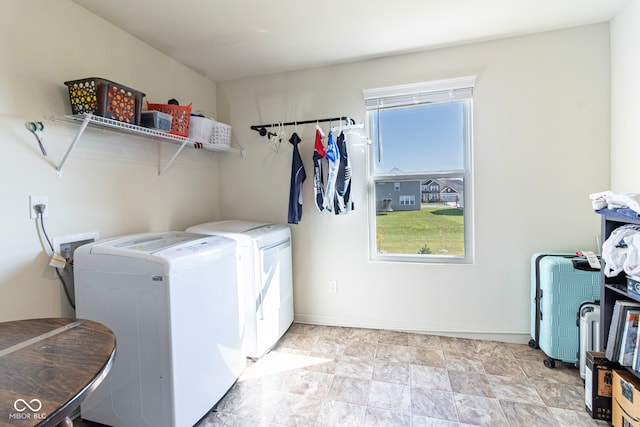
[[501, 336]]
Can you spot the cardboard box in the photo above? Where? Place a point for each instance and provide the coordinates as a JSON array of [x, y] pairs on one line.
[[597, 385], [625, 409]]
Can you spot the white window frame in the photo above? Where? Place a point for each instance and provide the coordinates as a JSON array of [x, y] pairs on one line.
[[407, 200], [423, 93]]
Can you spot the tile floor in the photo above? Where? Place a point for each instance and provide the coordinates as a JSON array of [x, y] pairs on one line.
[[331, 376]]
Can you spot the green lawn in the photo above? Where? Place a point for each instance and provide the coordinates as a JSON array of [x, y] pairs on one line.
[[441, 230]]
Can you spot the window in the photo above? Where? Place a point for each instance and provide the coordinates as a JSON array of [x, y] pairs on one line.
[[407, 200], [421, 142]]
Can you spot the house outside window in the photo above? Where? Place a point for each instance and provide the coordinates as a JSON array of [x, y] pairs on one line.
[[408, 200], [421, 142]]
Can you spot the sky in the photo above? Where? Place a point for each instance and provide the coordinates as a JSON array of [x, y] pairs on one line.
[[424, 138]]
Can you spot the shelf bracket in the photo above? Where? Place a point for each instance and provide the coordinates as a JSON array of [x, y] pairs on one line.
[[170, 162], [83, 126]]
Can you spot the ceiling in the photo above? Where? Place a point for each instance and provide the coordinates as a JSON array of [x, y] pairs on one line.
[[230, 39]]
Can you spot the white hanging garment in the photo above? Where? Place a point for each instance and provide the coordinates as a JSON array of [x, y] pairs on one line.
[[343, 203], [333, 159]]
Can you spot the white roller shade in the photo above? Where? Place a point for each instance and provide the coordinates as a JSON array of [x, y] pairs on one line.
[[420, 93]]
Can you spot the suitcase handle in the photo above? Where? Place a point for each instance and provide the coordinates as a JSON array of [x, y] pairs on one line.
[[583, 264], [585, 308]]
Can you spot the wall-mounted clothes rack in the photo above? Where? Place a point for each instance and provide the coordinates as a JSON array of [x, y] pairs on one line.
[[262, 129]]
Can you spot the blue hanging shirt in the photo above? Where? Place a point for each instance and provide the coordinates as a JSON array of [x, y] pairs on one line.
[[298, 175]]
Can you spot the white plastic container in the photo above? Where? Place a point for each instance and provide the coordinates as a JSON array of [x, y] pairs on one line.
[[209, 131]]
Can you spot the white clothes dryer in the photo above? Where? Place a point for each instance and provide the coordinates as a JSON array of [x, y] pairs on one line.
[[265, 275], [172, 301]]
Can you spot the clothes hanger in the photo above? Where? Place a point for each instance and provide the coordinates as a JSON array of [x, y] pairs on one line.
[[322, 135], [275, 141], [282, 135], [348, 126]]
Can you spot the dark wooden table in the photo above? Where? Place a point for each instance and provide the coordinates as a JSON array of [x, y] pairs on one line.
[[49, 366]]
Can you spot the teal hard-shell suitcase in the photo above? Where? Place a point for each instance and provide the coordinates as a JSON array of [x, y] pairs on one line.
[[560, 283]]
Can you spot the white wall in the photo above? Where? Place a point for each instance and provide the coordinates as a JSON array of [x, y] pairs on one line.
[[625, 93], [109, 183], [541, 146], [541, 111]]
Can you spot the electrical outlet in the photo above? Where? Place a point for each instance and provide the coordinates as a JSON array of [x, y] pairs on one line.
[[333, 286], [66, 245], [38, 200]]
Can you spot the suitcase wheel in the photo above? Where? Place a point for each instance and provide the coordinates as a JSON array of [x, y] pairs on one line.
[[533, 344], [549, 363]]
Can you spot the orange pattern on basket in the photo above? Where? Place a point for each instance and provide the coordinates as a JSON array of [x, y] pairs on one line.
[[181, 116], [121, 105]]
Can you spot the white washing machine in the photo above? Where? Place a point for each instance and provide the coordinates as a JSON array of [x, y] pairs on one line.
[[265, 274], [172, 301]]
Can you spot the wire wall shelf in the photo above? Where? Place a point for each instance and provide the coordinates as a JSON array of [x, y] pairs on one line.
[[90, 120]]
